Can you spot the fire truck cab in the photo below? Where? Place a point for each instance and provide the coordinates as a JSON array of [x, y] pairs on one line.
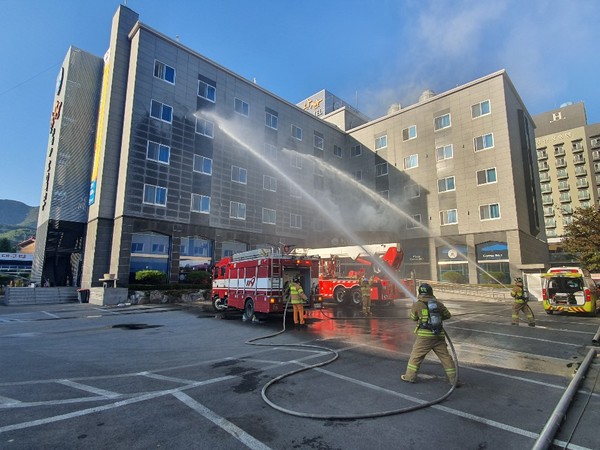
[[255, 281], [570, 290]]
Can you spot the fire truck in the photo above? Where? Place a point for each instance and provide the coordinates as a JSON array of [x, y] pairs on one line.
[[342, 268], [255, 281]]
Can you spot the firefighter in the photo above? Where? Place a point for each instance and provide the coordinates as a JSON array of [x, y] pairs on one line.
[[365, 289], [297, 299], [521, 296], [429, 313]]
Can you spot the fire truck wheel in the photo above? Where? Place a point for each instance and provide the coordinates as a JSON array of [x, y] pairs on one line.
[[218, 304], [339, 295], [356, 296], [249, 309]]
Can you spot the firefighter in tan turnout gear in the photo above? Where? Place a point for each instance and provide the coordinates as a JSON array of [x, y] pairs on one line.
[[365, 289], [429, 312], [297, 299], [521, 296]]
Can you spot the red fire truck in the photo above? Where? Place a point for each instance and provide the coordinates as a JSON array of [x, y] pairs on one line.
[[254, 281], [342, 268]]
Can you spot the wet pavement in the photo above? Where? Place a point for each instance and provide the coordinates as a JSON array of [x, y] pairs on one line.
[[182, 376]]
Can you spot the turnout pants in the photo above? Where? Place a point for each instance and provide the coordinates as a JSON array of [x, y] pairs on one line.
[[366, 304], [522, 307], [421, 347], [298, 313]]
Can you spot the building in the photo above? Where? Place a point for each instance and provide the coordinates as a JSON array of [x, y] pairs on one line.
[[190, 162], [568, 153]]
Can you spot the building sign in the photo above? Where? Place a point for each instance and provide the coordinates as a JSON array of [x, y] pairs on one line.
[[456, 253], [56, 112], [416, 255], [99, 129], [492, 251], [314, 105], [16, 256], [556, 138]]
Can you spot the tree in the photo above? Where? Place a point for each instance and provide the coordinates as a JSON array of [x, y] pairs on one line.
[[6, 246], [581, 238]]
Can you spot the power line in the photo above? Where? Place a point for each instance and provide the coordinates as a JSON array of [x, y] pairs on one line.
[[29, 79]]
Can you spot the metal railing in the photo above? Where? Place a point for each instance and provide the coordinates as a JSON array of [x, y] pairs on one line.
[[470, 290]]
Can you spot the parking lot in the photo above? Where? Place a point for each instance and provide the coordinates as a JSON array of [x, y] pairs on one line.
[[179, 376]]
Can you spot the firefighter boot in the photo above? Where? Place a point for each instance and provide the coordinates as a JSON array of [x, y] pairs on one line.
[[405, 378]]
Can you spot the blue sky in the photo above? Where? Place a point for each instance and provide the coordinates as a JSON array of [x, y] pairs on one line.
[[371, 53]]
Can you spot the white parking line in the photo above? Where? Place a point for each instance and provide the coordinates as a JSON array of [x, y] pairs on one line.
[[93, 390]]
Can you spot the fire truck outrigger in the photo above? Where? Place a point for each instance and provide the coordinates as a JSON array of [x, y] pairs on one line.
[[255, 281]]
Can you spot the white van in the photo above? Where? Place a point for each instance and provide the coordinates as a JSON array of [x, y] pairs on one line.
[[570, 290]]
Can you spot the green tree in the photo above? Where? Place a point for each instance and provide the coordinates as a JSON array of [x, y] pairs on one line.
[[581, 238], [6, 246]]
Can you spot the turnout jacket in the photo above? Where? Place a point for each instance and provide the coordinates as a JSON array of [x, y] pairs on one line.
[[420, 314]]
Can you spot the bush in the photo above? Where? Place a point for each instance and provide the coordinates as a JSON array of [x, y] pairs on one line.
[[453, 277], [491, 277], [200, 277], [151, 277]]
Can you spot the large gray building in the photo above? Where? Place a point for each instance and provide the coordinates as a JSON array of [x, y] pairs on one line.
[[191, 163]]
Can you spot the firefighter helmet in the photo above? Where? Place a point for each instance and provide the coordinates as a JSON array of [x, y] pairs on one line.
[[518, 280], [296, 279], [425, 289]]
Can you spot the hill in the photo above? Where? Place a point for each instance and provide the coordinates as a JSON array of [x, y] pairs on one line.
[[18, 221]]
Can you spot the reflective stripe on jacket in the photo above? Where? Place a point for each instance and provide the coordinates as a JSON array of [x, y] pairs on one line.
[[420, 314], [297, 294], [518, 293]]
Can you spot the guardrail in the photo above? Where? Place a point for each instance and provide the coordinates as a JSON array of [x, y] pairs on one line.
[[470, 290]]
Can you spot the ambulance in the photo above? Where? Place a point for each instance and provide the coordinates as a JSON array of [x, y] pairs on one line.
[[570, 290]]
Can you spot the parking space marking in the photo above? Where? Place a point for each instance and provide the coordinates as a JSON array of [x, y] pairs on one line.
[[510, 335], [221, 422], [5, 401], [54, 316], [91, 389]]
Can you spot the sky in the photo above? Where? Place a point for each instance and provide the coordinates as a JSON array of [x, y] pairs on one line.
[[370, 53]]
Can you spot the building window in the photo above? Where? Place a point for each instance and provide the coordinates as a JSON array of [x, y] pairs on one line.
[[560, 173], [561, 162], [337, 151], [441, 122], [271, 120], [295, 221], [567, 209], [489, 212], [410, 162], [543, 165], [381, 142], [564, 197], [319, 142], [161, 111], [159, 248], [200, 203], [414, 221], [542, 154], [578, 159], [448, 217], [580, 170], [583, 194], [137, 247], [355, 150], [409, 133], [271, 152], [549, 211], [239, 175], [207, 91], [296, 132], [577, 146], [269, 183], [545, 188], [269, 216], [444, 152], [241, 107], [357, 175], [544, 176], [158, 152], [385, 194], [296, 161], [446, 184], [483, 142], [381, 169], [412, 191], [205, 127], [202, 164], [480, 109], [547, 199], [563, 185], [486, 176], [155, 195], [550, 222], [237, 210], [559, 150], [164, 72]]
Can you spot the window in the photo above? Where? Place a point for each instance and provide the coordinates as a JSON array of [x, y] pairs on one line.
[[200, 203], [319, 142], [295, 221], [357, 175], [164, 72], [484, 142], [381, 169], [269, 216], [412, 191], [205, 127], [559, 150], [545, 188], [381, 142], [448, 217], [564, 185], [486, 176], [410, 162], [445, 152], [542, 154], [296, 132], [158, 248], [385, 194], [567, 209], [578, 159], [337, 151], [580, 170], [489, 212], [161, 111], [441, 122], [543, 165], [271, 151], [564, 197], [296, 161], [207, 91], [446, 184], [409, 133], [155, 195], [561, 162], [202, 164], [544, 176], [561, 173], [414, 221], [239, 175], [582, 183], [137, 247], [355, 150], [583, 194], [158, 152], [269, 183], [241, 107], [567, 220], [550, 222], [271, 119], [547, 199], [237, 210], [549, 211], [480, 109]]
